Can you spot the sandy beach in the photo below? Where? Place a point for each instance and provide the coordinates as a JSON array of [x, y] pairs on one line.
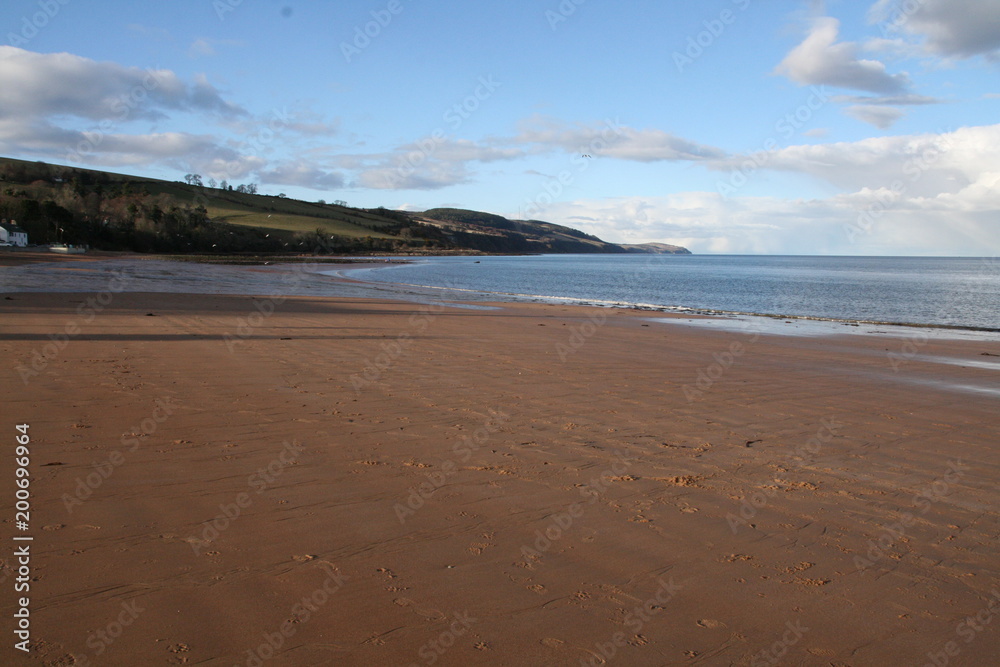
[[314, 480]]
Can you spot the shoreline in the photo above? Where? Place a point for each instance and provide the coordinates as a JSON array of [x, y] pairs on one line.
[[687, 311], [808, 325]]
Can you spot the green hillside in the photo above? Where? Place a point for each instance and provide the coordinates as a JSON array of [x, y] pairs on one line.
[[121, 212]]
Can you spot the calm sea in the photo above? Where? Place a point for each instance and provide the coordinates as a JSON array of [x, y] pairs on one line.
[[949, 292]]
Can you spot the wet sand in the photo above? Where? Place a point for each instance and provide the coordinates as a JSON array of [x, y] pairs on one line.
[[227, 480]]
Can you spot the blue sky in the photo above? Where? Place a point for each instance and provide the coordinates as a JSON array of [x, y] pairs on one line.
[[736, 126]]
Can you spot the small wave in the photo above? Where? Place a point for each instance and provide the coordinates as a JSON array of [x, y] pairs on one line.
[[693, 310]]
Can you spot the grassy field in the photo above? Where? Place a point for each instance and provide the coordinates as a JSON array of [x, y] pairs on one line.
[[271, 212]]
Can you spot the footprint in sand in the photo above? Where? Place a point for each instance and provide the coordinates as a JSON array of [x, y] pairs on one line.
[[792, 569], [711, 624]]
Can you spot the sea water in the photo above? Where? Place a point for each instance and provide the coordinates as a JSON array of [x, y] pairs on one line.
[[961, 293]]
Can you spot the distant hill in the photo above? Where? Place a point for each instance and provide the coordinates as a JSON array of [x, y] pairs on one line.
[[656, 249], [120, 212], [493, 233]]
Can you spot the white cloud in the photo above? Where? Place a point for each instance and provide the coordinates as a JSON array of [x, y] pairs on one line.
[[950, 28], [313, 126], [881, 117], [302, 175], [429, 176], [930, 164], [201, 48], [205, 48], [438, 161], [881, 111], [920, 194], [458, 150], [609, 139], [43, 85], [706, 222], [71, 109], [110, 148], [911, 99], [820, 59], [897, 47], [430, 163], [223, 165]]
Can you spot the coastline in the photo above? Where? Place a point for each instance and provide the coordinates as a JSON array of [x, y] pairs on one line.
[[528, 484], [308, 278], [815, 324]]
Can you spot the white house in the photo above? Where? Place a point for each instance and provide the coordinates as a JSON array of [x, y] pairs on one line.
[[12, 234]]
